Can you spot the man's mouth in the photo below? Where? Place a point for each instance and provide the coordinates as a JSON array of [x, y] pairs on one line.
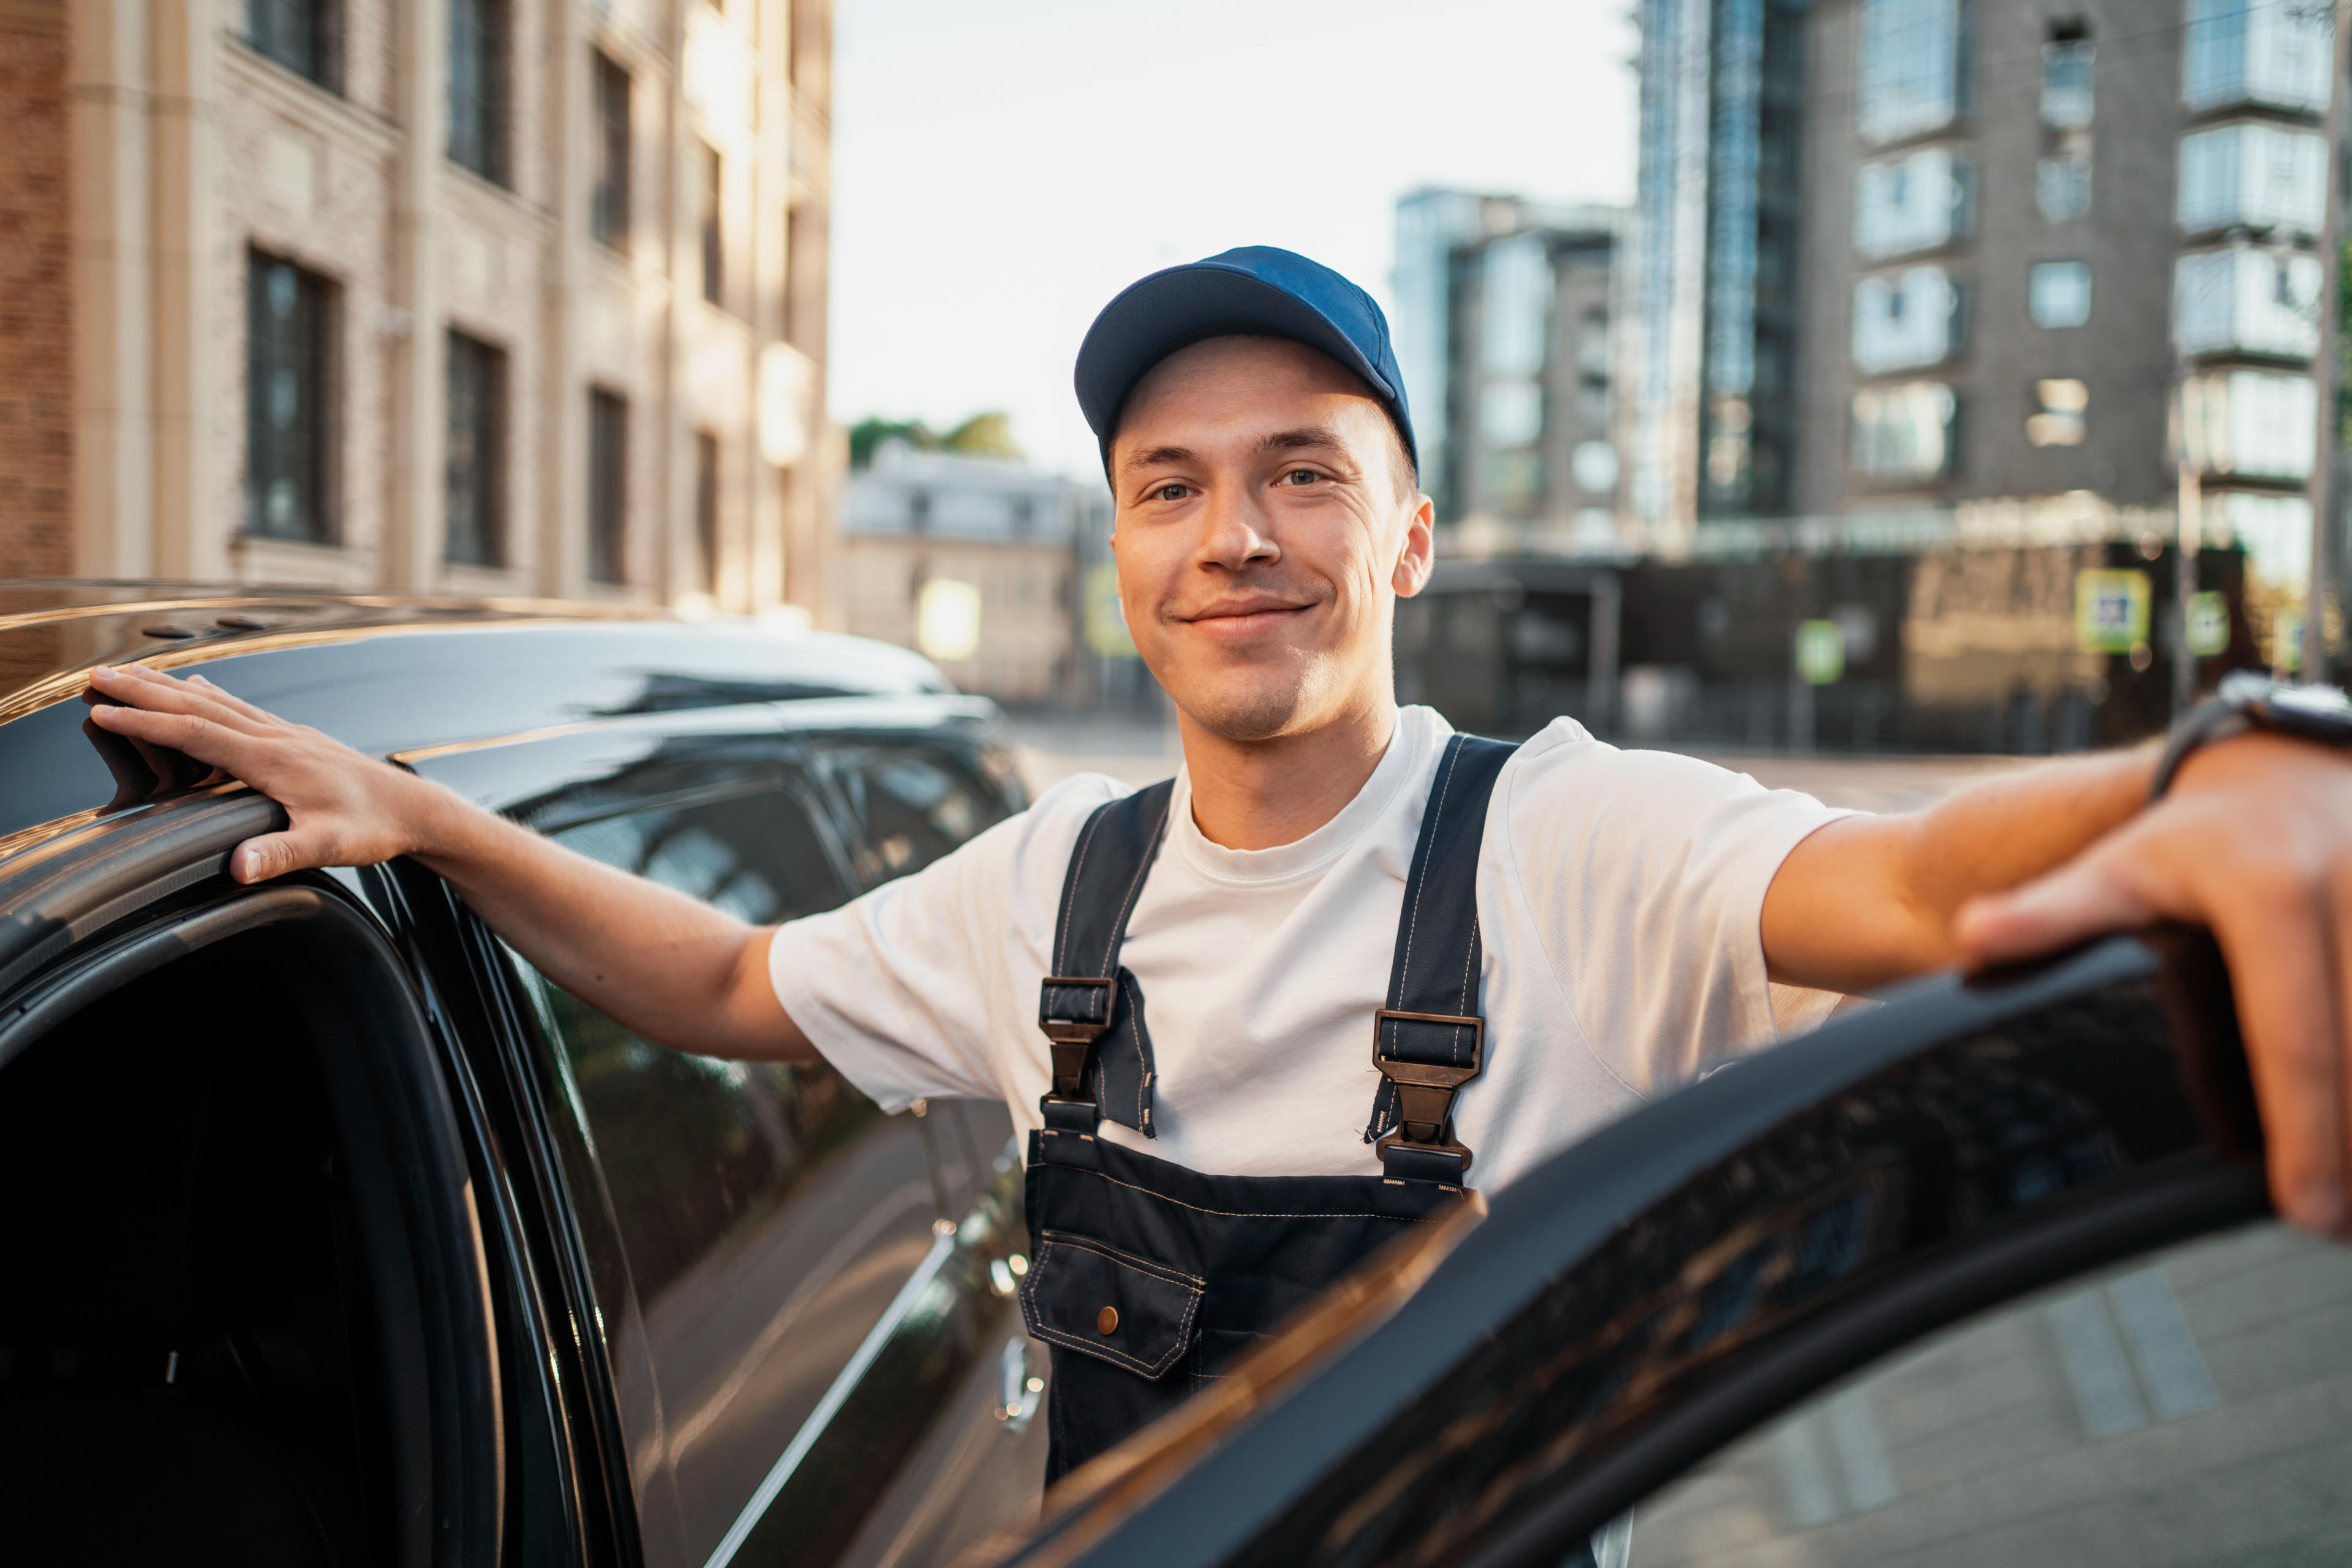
[[1239, 619]]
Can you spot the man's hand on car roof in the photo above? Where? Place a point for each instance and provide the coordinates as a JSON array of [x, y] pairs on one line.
[[2254, 841]]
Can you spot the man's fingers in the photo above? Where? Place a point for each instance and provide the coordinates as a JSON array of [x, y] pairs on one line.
[[2096, 892], [161, 693], [232, 702], [276, 854], [2277, 939], [199, 737]]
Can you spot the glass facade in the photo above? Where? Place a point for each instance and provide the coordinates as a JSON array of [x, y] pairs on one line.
[[2256, 176], [478, 62], [1429, 225], [1911, 67], [2274, 53], [1748, 434], [289, 317]]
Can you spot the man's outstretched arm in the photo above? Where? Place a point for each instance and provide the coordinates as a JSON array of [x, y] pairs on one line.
[[664, 966], [2253, 840]]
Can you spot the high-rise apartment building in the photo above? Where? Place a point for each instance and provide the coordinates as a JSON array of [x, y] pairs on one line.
[[1916, 254], [1936, 272], [473, 296], [1505, 334]]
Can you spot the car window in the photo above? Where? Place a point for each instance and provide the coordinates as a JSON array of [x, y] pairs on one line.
[[2192, 1406], [768, 1212], [909, 804]]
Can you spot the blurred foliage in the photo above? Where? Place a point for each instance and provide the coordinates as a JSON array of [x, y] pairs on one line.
[[986, 435]]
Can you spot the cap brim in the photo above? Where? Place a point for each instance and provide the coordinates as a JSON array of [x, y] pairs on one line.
[[1166, 311]]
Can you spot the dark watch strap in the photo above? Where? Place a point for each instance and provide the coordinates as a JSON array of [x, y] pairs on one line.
[[2244, 702]]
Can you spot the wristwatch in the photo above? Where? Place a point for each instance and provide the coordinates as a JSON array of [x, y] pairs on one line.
[[2244, 702]]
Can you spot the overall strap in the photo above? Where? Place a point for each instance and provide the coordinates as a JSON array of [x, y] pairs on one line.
[[1430, 1040], [1085, 993]]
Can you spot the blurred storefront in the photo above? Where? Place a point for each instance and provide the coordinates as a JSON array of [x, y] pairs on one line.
[[474, 297]]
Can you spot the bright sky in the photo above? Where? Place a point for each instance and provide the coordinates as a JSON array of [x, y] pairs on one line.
[[999, 171]]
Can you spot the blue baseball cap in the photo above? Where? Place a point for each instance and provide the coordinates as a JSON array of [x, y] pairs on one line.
[[1256, 290]]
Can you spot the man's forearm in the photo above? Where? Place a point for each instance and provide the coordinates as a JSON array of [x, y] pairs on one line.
[[664, 966], [1868, 900]]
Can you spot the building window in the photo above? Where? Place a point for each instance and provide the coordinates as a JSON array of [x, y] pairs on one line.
[[1903, 432], [2246, 299], [1914, 203], [2062, 185], [2251, 423], [714, 247], [2060, 407], [2058, 293], [476, 462], [705, 511], [298, 34], [2066, 101], [1906, 321], [288, 318], [1910, 67], [608, 215], [608, 487], [2260, 177], [477, 86], [2271, 52], [1515, 306]]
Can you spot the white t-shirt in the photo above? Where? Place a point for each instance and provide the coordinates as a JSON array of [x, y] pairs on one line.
[[1619, 895]]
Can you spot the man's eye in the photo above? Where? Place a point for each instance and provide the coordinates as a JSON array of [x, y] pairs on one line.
[[1171, 491], [1300, 477]]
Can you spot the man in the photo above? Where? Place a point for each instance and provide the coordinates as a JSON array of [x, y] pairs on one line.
[[1541, 936]]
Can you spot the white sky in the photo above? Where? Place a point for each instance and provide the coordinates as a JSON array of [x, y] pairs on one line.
[[999, 171]]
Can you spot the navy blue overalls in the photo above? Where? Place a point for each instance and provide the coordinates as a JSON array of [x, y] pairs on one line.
[[1148, 1278]]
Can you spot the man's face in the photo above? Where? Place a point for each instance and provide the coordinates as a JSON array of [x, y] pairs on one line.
[[1263, 529]]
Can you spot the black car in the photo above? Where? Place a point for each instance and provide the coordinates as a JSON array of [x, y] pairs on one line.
[[336, 1235]]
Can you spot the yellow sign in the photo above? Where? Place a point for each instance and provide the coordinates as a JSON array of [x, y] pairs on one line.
[[2110, 611], [1105, 619]]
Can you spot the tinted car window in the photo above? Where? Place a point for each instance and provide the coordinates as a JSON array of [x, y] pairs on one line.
[[2193, 1407], [912, 803], [768, 1211]]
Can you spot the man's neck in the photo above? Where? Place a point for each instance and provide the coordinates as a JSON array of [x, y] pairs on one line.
[[1258, 794]]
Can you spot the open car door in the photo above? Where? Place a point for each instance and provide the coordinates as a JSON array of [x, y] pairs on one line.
[[1985, 1274]]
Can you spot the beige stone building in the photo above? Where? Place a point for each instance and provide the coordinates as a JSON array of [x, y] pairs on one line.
[[469, 296]]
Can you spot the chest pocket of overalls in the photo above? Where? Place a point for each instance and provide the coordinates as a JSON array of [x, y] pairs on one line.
[[1085, 1295]]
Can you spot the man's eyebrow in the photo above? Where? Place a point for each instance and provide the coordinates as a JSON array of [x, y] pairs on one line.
[[1315, 437], [1158, 456]]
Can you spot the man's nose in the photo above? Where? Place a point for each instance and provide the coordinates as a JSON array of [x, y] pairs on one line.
[[1234, 530]]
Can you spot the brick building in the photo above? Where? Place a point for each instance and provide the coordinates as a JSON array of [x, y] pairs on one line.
[[474, 297]]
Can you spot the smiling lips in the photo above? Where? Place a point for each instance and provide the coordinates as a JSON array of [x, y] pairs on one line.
[[1238, 620]]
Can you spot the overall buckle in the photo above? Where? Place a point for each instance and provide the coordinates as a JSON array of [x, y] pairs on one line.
[[1426, 1090], [1073, 1011]]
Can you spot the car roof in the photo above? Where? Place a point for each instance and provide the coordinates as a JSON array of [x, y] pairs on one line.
[[390, 673]]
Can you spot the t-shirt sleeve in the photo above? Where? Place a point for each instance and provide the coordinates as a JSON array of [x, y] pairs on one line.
[[914, 990], [1644, 876]]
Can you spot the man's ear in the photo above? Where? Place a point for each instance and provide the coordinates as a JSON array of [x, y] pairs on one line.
[[1419, 554]]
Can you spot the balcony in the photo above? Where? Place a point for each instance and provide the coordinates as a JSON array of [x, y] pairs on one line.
[[2246, 300], [2270, 54], [2253, 176], [2251, 424]]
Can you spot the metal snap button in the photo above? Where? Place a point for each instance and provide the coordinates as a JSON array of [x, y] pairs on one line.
[[1107, 1320]]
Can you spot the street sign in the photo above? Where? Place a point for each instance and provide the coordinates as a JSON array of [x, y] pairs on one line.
[[2110, 610], [1821, 652], [2208, 623]]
